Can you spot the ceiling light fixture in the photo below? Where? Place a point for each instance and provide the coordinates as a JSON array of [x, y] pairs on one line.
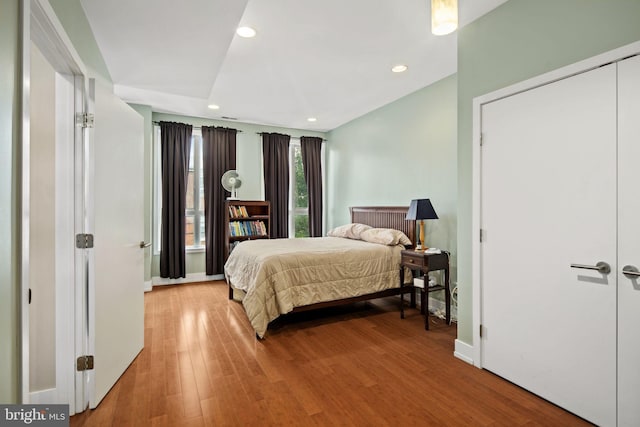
[[400, 68], [444, 16], [246, 32], [312, 119], [213, 107]]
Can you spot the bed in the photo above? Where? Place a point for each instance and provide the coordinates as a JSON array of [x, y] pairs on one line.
[[280, 276]]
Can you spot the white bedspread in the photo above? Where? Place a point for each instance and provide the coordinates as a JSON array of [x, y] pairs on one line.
[[280, 274]]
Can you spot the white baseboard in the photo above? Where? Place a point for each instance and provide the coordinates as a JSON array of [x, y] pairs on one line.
[[191, 278], [437, 305], [148, 286], [43, 397], [463, 351]]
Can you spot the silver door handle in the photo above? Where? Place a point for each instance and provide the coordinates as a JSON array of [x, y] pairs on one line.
[[601, 267], [630, 271], [144, 245]]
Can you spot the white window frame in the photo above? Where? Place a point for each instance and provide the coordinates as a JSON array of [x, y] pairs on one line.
[[197, 211], [293, 143], [157, 190], [196, 152]]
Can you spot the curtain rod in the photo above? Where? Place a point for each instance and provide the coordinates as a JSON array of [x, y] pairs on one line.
[[200, 127], [237, 130], [262, 133]]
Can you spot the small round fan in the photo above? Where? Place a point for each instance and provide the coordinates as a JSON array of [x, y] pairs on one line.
[[231, 182]]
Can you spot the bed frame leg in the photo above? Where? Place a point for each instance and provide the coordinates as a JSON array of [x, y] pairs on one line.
[[230, 292]]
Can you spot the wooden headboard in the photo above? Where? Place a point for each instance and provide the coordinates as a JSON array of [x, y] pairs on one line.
[[385, 217]]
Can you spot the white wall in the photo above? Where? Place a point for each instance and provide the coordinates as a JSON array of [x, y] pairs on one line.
[[42, 232], [9, 199]]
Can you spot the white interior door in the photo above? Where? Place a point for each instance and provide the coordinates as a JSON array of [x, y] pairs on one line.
[[548, 200], [116, 305], [628, 242]]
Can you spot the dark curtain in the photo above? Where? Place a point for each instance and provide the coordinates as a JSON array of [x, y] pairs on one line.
[[275, 156], [175, 145], [312, 164], [219, 155]]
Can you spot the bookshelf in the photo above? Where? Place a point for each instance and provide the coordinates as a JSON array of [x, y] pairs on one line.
[[245, 220]]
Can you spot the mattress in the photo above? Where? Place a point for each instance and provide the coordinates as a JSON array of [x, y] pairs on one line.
[[278, 275]]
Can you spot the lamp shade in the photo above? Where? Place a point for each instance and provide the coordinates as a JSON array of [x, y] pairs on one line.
[[421, 209]]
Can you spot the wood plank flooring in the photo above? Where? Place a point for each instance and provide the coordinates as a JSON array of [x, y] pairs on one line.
[[359, 365]]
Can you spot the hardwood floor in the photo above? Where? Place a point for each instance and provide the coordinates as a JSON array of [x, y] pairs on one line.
[[356, 365]]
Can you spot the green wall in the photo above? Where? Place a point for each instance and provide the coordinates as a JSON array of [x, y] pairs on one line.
[[76, 25], [10, 77], [402, 151], [516, 41], [248, 164]]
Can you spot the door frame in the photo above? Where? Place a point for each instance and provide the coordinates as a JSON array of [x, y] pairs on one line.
[[476, 169], [41, 26]]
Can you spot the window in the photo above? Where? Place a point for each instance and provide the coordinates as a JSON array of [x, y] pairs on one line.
[[194, 214], [194, 231], [298, 195]]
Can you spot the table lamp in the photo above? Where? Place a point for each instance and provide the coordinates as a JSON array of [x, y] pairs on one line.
[[419, 210]]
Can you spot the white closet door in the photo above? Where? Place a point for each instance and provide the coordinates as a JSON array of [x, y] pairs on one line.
[[629, 242], [548, 201]]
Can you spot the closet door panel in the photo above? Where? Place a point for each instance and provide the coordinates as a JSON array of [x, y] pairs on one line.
[[548, 201], [629, 242]]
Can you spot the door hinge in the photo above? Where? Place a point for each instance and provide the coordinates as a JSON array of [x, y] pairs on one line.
[[481, 235], [481, 331], [84, 241], [85, 120], [481, 139], [84, 363]]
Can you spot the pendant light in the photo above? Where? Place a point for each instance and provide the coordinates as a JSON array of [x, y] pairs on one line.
[[444, 16]]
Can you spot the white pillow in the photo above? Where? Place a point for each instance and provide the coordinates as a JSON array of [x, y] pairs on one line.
[[386, 236], [350, 231]]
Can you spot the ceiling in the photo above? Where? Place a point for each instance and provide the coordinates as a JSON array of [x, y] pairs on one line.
[[328, 59]]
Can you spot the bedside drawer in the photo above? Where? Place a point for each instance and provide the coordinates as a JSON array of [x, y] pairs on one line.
[[438, 261], [415, 260]]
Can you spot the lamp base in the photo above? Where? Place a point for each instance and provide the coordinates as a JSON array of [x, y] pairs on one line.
[[420, 245]]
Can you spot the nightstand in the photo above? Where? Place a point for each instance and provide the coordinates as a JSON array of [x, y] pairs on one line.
[[424, 262]]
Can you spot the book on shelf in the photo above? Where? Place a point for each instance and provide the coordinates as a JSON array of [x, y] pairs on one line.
[[238, 211], [247, 228]]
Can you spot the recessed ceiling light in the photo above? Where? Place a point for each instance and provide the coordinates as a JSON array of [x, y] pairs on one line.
[[246, 32], [213, 106], [312, 119], [400, 68]]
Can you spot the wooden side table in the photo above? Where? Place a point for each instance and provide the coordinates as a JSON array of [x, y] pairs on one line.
[[424, 262]]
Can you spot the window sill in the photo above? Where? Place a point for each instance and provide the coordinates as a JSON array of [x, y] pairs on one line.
[[195, 250], [187, 250]]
